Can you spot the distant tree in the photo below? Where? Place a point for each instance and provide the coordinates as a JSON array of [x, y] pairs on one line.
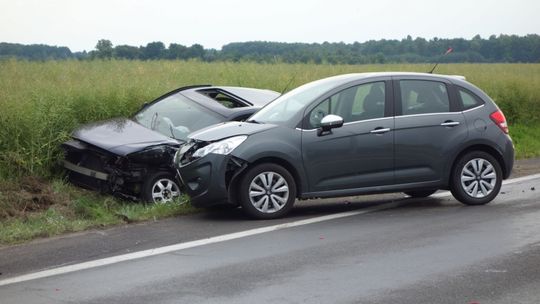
[[379, 58], [126, 52], [502, 48], [81, 55], [177, 51], [195, 51], [34, 51], [211, 55], [104, 49], [154, 50]]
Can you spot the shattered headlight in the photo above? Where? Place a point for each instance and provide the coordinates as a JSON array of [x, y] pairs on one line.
[[223, 147]]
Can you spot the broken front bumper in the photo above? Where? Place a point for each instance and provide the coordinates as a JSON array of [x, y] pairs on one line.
[[212, 179], [85, 171]]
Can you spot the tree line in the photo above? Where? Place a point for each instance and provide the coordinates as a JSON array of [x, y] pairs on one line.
[[502, 48]]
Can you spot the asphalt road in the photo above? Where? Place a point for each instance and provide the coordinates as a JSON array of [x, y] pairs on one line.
[[432, 250]]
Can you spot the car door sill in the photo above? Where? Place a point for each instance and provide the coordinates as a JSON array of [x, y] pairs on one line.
[[373, 189]]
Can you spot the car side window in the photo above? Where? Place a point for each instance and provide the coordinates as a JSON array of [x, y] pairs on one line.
[[365, 101], [468, 99], [423, 96]]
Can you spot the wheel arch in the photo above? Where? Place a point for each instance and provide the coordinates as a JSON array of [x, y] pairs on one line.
[[478, 147], [274, 160]]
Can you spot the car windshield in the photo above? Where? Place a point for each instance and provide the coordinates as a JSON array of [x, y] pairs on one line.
[[176, 116], [288, 105]]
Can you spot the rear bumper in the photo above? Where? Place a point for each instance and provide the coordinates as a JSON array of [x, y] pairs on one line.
[[508, 156]]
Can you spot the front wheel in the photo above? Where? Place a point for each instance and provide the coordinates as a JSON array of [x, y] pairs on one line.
[[476, 178], [160, 187], [267, 191]]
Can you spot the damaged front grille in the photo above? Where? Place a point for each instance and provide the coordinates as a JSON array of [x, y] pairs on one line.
[[91, 158], [94, 168]]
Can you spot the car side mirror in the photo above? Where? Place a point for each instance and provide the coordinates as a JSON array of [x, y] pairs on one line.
[[330, 122]]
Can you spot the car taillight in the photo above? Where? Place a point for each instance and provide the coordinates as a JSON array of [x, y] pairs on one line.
[[499, 119]]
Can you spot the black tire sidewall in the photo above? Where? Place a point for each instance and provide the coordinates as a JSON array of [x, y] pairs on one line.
[[146, 190], [420, 193], [244, 190], [457, 189]]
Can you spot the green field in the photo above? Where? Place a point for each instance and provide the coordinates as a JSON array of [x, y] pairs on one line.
[[42, 102]]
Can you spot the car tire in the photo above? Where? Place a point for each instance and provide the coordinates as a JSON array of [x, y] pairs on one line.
[[267, 191], [420, 193], [160, 187], [476, 178]]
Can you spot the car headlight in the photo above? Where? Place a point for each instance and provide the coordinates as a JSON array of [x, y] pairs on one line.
[[223, 147]]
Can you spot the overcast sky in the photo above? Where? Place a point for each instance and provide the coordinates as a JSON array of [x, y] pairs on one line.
[[80, 24]]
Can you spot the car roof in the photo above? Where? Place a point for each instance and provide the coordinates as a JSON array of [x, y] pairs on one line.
[[455, 79], [358, 76], [252, 98]]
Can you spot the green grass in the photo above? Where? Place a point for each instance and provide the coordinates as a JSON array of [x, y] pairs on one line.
[[526, 140], [42, 102], [74, 209]]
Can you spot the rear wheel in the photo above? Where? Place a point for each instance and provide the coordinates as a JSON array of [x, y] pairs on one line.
[[420, 193], [267, 191], [476, 178], [160, 187]]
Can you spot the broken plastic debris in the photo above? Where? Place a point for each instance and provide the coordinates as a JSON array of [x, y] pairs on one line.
[[496, 270]]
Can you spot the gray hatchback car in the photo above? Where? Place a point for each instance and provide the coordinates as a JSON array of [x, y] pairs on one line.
[[349, 135]]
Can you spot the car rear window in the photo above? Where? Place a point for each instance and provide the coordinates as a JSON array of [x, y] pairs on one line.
[[223, 98], [469, 100]]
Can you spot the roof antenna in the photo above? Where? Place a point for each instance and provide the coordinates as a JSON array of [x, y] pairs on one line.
[[437, 63], [288, 84]]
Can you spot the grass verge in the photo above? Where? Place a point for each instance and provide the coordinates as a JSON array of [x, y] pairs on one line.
[[34, 208], [526, 140]]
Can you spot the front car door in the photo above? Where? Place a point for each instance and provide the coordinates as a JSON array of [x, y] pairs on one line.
[[428, 127], [360, 153]]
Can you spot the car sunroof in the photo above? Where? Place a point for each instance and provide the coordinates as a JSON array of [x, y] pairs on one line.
[[224, 98]]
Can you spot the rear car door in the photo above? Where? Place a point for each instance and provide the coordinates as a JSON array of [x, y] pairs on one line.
[[428, 128], [360, 153]]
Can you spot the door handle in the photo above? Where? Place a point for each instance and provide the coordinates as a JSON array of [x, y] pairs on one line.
[[379, 130], [450, 123]]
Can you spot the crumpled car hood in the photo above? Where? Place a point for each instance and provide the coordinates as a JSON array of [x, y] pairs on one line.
[[121, 136]]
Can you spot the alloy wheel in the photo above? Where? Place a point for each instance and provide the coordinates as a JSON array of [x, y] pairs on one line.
[[268, 192], [478, 178], [164, 190]]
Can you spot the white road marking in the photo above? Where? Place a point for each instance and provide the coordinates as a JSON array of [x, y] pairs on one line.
[[218, 239], [505, 182], [192, 244], [521, 179]]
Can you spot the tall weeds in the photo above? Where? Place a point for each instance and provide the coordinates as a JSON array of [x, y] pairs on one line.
[[42, 102]]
